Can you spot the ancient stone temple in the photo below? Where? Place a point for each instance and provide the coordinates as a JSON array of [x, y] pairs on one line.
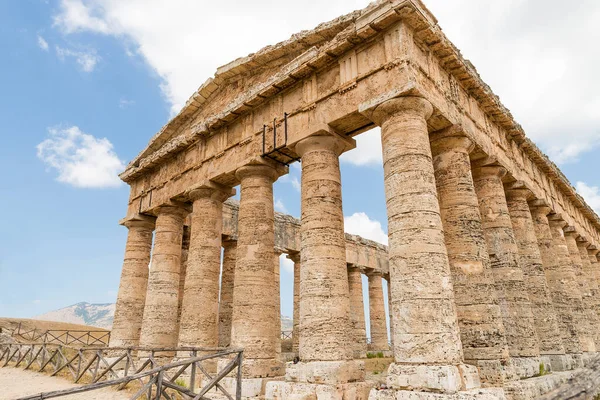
[[492, 260]]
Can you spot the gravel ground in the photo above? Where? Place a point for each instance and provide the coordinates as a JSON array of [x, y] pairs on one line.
[[15, 383]]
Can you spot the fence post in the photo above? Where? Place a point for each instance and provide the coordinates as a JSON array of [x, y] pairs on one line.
[[238, 389]]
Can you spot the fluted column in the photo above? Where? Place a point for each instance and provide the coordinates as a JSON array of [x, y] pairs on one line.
[[159, 328], [589, 276], [131, 298], [544, 315], [595, 264], [277, 282], [377, 320], [185, 249], [226, 298], [324, 293], [426, 333], [254, 303], [357, 312], [591, 318], [295, 257], [481, 328], [391, 315], [199, 316], [504, 256], [560, 281]]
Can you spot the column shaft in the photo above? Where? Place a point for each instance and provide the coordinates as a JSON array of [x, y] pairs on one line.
[[589, 275], [379, 340], [357, 312], [199, 317], [131, 298], [226, 299], [296, 331], [277, 299], [253, 319], [159, 328], [481, 328], [504, 256], [544, 315], [185, 248]]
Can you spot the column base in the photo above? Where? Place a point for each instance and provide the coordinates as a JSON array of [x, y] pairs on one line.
[[314, 391], [326, 372], [433, 378], [479, 394]]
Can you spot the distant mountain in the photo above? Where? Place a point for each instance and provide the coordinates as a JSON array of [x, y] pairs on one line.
[[101, 316], [98, 315]]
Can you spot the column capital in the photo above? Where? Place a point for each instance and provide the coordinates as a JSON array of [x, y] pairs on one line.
[[489, 171], [370, 273], [582, 241], [210, 190], [450, 139], [294, 256], [518, 190], [539, 206], [381, 110], [593, 250], [571, 231], [174, 208], [139, 220], [557, 220], [258, 170], [324, 139]]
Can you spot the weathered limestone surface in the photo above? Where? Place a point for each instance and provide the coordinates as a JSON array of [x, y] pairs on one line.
[[590, 277], [159, 327], [295, 257], [226, 297], [253, 319], [544, 315], [425, 323], [504, 256], [379, 337], [481, 328], [131, 298], [277, 283], [357, 312], [185, 249], [324, 293], [200, 306], [569, 280], [593, 257]]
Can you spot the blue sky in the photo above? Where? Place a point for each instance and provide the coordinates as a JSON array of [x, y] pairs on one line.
[[86, 83]]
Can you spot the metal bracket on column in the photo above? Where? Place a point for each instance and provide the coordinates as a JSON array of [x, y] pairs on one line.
[[276, 153]]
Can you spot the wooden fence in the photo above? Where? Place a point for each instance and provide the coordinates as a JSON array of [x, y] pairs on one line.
[[65, 337], [102, 367]]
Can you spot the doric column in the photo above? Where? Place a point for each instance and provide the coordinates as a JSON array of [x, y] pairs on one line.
[[591, 318], [324, 293], [426, 334], [595, 265], [481, 328], [391, 315], [199, 316], [185, 249], [226, 299], [295, 257], [560, 280], [277, 283], [589, 276], [131, 298], [253, 320], [544, 315], [357, 312], [377, 321], [159, 328], [508, 274]]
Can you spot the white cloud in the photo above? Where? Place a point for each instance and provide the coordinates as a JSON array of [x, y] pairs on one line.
[[367, 151], [80, 159], [124, 103], [87, 60], [291, 180], [360, 224], [591, 194], [279, 206], [286, 263], [42, 43]]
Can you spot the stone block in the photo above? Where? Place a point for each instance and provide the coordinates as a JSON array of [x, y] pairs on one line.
[[477, 394], [312, 391], [435, 378], [326, 372]]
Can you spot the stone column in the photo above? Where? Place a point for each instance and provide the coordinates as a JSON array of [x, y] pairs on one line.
[[508, 274], [591, 319], [589, 276], [295, 257], [595, 265], [481, 328], [426, 334], [544, 315], [325, 336], [357, 312], [131, 298], [391, 315], [379, 338], [254, 303], [199, 316], [560, 279], [159, 328], [277, 283], [185, 249], [226, 299]]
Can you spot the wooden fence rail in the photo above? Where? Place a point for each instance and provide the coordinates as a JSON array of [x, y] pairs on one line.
[[101, 367], [65, 337]]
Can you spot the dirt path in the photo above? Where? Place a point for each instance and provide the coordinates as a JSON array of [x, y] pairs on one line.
[[15, 383]]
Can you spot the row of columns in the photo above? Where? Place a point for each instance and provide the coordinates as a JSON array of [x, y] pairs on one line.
[[480, 272]]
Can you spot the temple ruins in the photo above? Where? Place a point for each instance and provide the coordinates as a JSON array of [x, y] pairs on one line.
[[492, 260]]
